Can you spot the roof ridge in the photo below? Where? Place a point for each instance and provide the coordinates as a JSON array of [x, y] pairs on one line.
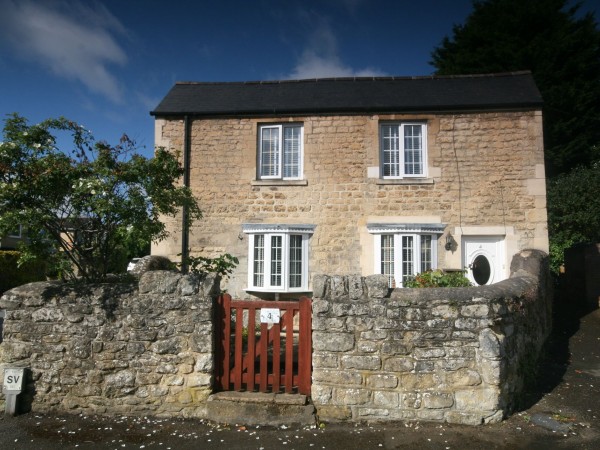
[[359, 79]]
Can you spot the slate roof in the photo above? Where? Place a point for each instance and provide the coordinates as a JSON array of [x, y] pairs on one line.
[[515, 90]]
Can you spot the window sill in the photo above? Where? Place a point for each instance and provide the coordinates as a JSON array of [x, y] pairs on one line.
[[278, 295], [279, 183], [402, 181]]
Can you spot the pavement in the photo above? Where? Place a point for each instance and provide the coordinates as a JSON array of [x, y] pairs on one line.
[[561, 412]]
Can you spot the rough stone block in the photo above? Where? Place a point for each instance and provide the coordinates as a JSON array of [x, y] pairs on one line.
[[386, 399], [377, 286], [463, 418], [319, 284], [334, 413], [347, 397], [333, 342], [342, 377], [478, 311], [399, 364], [490, 344], [382, 381], [429, 353], [412, 400], [477, 399], [463, 377], [361, 362], [437, 400], [355, 287], [321, 395]]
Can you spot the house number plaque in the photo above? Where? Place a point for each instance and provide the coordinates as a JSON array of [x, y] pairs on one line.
[[270, 315]]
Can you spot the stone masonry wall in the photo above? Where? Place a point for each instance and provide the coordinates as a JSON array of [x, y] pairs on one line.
[[485, 177], [460, 355], [113, 348]]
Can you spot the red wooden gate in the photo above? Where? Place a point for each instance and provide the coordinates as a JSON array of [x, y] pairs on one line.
[[263, 357]]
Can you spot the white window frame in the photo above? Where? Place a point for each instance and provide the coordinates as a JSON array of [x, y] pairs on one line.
[[399, 231], [279, 163], [284, 232], [401, 156]]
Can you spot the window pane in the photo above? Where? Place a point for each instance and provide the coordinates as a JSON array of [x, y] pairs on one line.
[[387, 257], [407, 257], [413, 150], [291, 152], [276, 260], [269, 152], [426, 253], [259, 260], [390, 142], [295, 260]]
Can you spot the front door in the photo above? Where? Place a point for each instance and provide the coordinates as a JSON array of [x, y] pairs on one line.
[[483, 256]]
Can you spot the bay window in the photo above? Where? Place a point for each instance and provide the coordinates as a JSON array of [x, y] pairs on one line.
[[278, 257]]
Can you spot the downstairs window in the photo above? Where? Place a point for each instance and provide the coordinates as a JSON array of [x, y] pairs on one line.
[[278, 257], [404, 250]]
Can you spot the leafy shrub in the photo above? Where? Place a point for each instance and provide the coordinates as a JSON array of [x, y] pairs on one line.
[[438, 278], [13, 275], [573, 211], [222, 265]]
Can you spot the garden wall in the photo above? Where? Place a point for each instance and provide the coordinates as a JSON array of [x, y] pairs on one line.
[[113, 348], [453, 354], [460, 355]]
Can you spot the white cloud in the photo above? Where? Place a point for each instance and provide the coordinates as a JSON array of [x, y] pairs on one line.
[[320, 58], [71, 39]]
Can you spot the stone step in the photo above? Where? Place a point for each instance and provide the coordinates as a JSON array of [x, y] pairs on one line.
[[256, 408]]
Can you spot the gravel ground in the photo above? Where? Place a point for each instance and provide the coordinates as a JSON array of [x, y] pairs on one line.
[[562, 413]]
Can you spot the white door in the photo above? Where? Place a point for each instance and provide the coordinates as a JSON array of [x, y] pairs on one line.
[[483, 256]]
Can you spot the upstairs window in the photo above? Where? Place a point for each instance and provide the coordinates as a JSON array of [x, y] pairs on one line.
[[278, 257], [280, 152], [404, 250], [403, 150]]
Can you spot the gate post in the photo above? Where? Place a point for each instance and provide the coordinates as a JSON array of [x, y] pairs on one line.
[[305, 346], [222, 336]]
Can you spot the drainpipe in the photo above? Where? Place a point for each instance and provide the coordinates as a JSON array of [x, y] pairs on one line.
[[185, 231]]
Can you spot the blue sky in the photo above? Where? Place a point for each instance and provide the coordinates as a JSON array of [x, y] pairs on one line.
[[106, 64]]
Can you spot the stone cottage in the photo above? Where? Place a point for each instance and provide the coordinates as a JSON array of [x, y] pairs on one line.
[[364, 176]]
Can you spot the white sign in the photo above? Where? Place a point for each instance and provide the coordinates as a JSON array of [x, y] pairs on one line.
[[13, 379], [270, 315]]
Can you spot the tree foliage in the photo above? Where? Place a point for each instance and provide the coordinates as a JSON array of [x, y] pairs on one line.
[[562, 49], [83, 210], [573, 210]]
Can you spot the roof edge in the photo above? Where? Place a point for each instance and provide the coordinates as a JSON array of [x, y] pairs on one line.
[[360, 79]]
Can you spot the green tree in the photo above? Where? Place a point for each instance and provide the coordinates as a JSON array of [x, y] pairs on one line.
[[83, 210], [562, 50], [573, 211]]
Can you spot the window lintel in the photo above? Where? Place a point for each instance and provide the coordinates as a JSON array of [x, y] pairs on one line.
[[377, 228], [252, 228]]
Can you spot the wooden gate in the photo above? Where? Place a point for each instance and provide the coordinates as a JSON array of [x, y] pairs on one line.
[[264, 354]]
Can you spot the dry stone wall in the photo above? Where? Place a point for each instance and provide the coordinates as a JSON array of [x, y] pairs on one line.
[[459, 355], [113, 348]]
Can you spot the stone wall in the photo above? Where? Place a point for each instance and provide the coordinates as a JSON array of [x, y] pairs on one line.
[[460, 355], [485, 176], [113, 348]]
